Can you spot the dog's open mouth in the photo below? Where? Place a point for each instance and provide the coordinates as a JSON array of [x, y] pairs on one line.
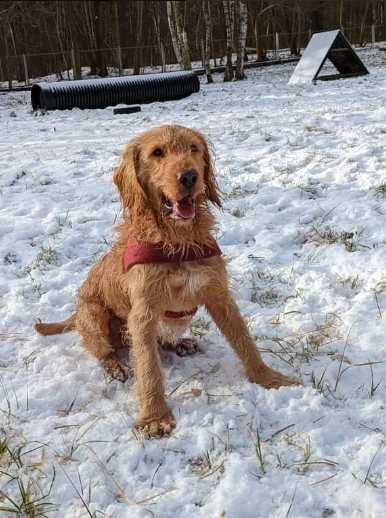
[[181, 209]]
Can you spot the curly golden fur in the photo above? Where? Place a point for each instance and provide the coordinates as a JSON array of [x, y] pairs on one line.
[[160, 204]]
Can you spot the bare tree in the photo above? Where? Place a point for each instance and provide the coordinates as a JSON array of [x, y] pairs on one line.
[[178, 33], [242, 11], [139, 31], [156, 15], [123, 33], [101, 68], [257, 11], [208, 32], [173, 32], [362, 36], [229, 15]]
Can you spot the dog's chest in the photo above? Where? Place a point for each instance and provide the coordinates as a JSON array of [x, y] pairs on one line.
[[186, 280]]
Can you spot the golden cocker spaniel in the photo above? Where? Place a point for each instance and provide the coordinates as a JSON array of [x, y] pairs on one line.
[[164, 264]]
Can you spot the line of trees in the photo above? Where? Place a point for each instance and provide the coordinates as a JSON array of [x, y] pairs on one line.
[[136, 34]]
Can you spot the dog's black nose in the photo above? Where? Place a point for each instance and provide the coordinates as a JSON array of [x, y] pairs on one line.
[[188, 179]]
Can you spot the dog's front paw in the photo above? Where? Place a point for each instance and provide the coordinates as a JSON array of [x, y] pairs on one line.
[[184, 347], [271, 379], [115, 368], [156, 427]]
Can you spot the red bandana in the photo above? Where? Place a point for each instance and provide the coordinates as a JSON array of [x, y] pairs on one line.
[[138, 252]]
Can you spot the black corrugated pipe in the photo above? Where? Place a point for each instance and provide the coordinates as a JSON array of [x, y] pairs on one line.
[[99, 93]]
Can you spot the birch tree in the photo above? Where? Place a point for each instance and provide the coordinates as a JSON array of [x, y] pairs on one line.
[[178, 33], [173, 32], [242, 18], [229, 15], [207, 41]]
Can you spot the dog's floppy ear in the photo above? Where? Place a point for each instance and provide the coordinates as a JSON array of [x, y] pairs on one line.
[[127, 179], [212, 190]]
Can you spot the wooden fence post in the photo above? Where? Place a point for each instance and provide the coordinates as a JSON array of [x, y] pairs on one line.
[[2, 74], [163, 58], [9, 71], [76, 70], [25, 69], [372, 35], [277, 43], [119, 56]]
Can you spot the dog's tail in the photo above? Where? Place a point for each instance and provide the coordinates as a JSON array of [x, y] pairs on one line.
[[56, 328]]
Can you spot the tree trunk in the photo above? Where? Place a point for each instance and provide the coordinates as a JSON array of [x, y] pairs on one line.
[[138, 39], [178, 33], [208, 31], [157, 27], [241, 38], [341, 13], [229, 14], [100, 57], [294, 38], [60, 11], [261, 54], [18, 64], [173, 32], [362, 39], [182, 35], [117, 38], [317, 19], [8, 71], [123, 15]]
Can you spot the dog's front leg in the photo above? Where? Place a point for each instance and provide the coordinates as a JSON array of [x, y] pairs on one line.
[[226, 315], [155, 418]]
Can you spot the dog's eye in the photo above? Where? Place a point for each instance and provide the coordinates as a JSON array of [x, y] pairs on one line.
[[193, 148], [157, 152]]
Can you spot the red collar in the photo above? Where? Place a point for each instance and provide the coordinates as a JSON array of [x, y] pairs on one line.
[[138, 252], [181, 314]]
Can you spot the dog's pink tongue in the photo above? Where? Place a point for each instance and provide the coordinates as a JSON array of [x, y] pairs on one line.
[[184, 208]]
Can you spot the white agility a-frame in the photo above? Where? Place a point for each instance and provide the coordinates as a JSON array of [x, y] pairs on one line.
[[331, 45]]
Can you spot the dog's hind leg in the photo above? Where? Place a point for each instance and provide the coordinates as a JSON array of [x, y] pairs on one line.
[[92, 323], [119, 338]]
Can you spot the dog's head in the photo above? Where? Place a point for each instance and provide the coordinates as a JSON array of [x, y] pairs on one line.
[[168, 169]]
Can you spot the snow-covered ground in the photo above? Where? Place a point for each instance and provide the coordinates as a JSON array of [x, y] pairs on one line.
[[303, 171]]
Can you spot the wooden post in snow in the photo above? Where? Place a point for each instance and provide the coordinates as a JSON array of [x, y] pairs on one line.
[[25, 69], [76, 70], [277, 44], [119, 57]]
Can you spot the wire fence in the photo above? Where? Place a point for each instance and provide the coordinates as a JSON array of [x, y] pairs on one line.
[[25, 69]]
